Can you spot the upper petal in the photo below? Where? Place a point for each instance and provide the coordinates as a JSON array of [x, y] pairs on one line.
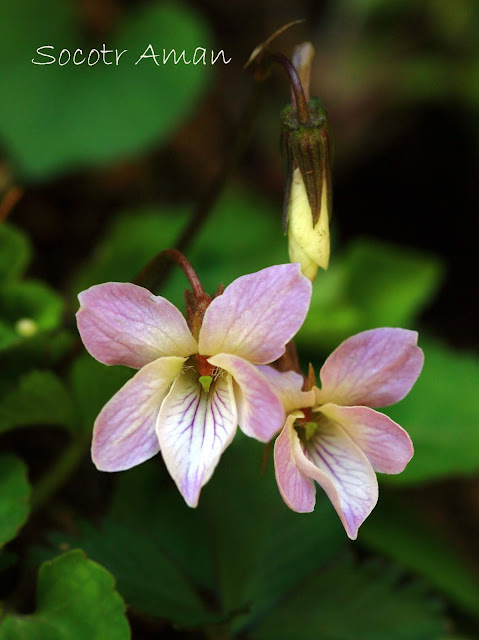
[[387, 446], [194, 428], [121, 323], [124, 433], [296, 488], [257, 314], [288, 386], [343, 471], [374, 368], [260, 412]]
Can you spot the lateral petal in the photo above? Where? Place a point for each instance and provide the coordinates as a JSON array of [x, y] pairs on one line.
[[260, 412], [257, 314], [343, 471], [288, 386], [122, 323], [124, 432], [296, 488], [387, 446], [375, 368], [194, 428]]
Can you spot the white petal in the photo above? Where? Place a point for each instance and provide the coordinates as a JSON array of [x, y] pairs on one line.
[[343, 471], [194, 428]]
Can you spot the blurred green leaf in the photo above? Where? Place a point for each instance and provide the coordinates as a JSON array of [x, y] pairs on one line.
[[133, 239], [93, 384], [156, 546], [14, 253], [76, 600], [224, 249], [14, 497], [145, 499], [27, 308], [175, 562], [274, 548], [372, 285], [7, 560], [365, 602], [398, 530], [41, 351], [100, 112], [441, 414], [40, 399], [148, 578]]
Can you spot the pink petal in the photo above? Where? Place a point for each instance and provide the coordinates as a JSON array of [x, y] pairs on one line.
[[124, 433], [260, 412], [194, 428], [387, 446], [121, 323], [257, 314], [343, 471], [297, 489], [375, 368], [287, 385]]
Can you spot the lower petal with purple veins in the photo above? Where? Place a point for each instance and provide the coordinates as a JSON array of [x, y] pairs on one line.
[[332, 459], [194, 427]]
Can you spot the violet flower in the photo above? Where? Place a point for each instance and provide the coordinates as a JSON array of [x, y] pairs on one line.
[[334, 437], [189, 395]]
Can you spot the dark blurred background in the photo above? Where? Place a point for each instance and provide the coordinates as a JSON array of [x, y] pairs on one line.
[[96, 151]]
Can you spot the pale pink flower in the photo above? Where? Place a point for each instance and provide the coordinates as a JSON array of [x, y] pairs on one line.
[[334, 437], [170, 404]]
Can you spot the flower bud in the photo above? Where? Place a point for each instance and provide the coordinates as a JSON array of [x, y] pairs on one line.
[[308, 195]]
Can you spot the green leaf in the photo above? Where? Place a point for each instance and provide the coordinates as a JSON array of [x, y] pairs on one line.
[[159, 549], [101, 112], [441, 415], [398, 530], [148, 578], [93, 384], [372, 285], [14, 497], [14, 252], [364, 602], [76, 600], [142, 500], [39, 399], [268, 560], [27, 308], [177, 563]]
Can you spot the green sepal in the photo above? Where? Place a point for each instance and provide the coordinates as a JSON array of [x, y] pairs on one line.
[[307, 146]]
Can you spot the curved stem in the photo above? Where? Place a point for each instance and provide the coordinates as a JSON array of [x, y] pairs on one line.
[[301, 103], [159, 268], [169, 256]]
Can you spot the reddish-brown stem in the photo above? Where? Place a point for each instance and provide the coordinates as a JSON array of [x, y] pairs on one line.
[[296, 86], [171, 255]]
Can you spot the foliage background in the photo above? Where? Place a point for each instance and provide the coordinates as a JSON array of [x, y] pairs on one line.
[[110, 161]]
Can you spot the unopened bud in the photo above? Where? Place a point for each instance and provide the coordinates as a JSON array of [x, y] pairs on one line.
[[308, 196]]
